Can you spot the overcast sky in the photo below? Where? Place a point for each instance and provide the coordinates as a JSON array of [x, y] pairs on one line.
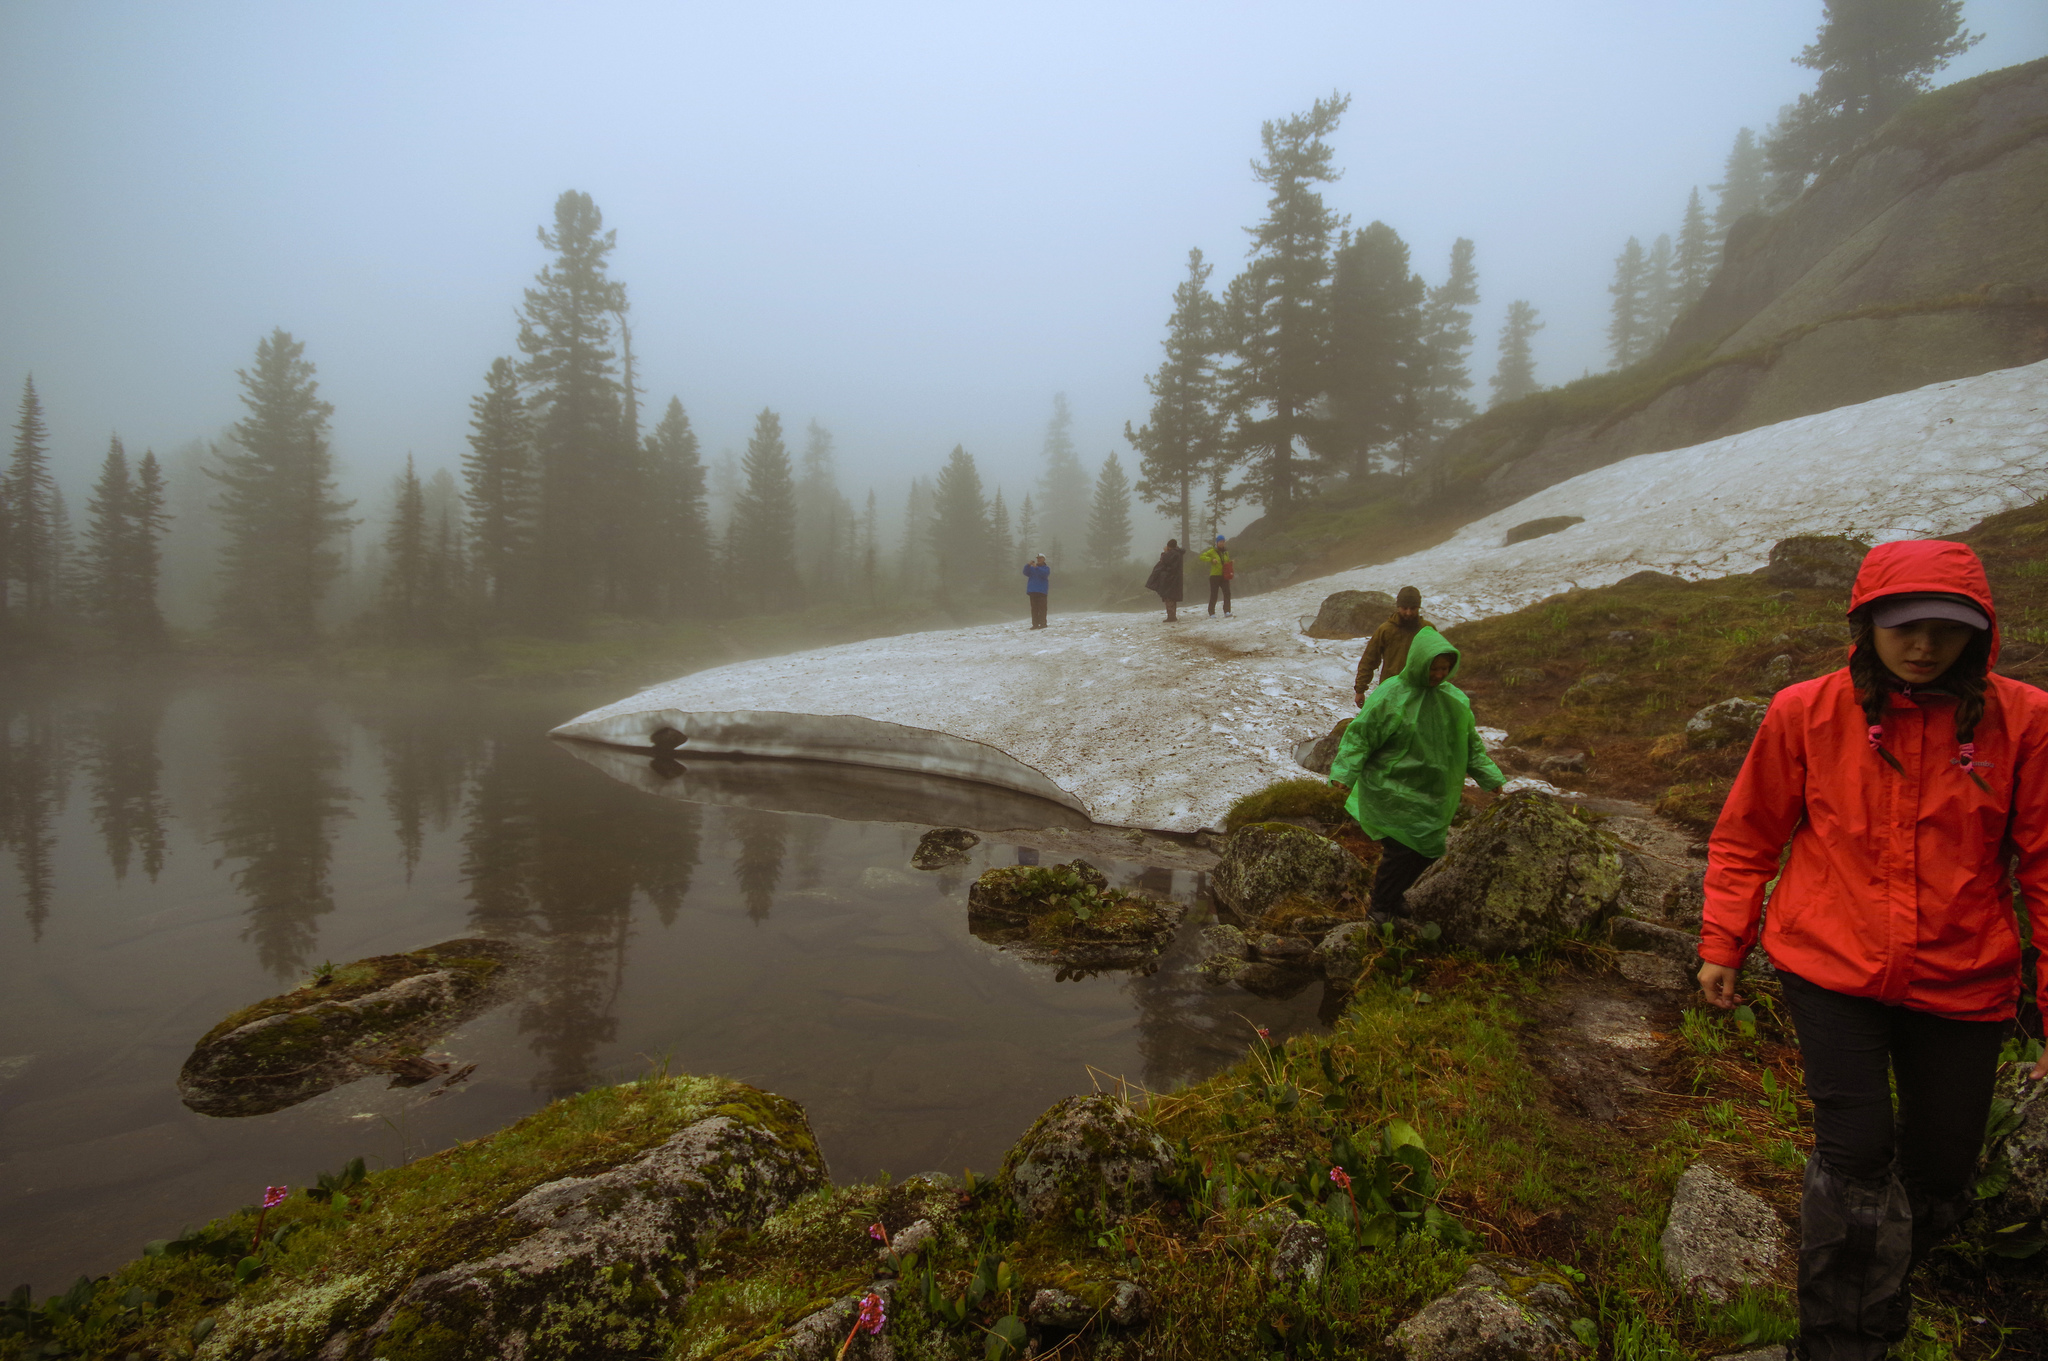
[[913, 223]]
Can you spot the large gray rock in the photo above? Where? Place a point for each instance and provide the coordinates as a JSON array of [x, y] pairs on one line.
[[1321, 754], [818, 1335], [1816, 560], [942, 847], [1720, 1237], [571, 1249], [1351, 614], [1523, 872], [1271, 865], [1085, 1151], [1504, 1309], [1732, 722]]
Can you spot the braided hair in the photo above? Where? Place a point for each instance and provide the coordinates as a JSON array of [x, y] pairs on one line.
[[1875, 685]]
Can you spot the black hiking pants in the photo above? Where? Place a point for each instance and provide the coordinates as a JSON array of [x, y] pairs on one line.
[[1221, 584], [1880, 1192], [1037, 599], [1398, 870]]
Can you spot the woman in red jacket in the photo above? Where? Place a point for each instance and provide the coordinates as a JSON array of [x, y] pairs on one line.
[[1908, 783]]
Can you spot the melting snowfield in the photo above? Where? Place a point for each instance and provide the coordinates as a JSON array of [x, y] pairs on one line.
[[1139, 723]]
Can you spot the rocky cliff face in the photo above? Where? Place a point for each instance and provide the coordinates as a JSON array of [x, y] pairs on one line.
[[1920, 259]]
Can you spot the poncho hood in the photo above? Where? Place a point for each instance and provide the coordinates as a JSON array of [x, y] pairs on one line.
[[1925, 567]]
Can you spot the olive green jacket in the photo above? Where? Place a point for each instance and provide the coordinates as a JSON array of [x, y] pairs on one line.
[[1387, 651]]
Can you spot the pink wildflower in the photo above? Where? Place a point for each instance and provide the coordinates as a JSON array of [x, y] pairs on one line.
[[1341, 1177], [1264, 1033], [872, 1314], [878, 1233], [273, 1196]]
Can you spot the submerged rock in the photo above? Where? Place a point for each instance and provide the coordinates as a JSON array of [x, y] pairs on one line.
[[1069, 915], [342, 1025], [1504, 1309], [1719, 1237], [1526, 870], [943, 846], [1085, 1151], [1273, 871]]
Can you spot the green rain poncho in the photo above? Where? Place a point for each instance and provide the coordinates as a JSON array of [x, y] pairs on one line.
[[1409, 750]]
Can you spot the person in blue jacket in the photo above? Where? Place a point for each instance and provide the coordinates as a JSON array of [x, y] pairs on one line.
[[1037, 579]]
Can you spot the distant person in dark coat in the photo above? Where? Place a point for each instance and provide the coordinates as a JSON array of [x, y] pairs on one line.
[[1165, 578], [1387, 652], [1037, 581]]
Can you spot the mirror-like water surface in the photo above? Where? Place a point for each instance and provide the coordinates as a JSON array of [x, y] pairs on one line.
[[180, 849]]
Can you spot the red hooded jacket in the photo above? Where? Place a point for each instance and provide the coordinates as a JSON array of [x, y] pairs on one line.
[[1896, 887]]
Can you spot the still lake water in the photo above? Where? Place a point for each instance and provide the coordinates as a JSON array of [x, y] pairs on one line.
[[180, 848]]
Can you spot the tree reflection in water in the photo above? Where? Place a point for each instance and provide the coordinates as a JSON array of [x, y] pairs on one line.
[[121, 761], [34, 783], [757, 866]]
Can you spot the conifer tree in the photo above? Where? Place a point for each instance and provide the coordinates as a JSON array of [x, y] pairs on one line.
[[870, 557], [681, 559], [763, 539], [1109, 519], [1063, 485], [1002, 552], [499, 490], [1745, 180], [960, 530], [402, 599], [1376, 347], [582, 457], [1185, 433], [1515, 378], [823, 519], [914, 557], [1692, 263], [1628, 324], [1873, 56], [1441, 404], [278, 505], [1278, 309], [1027, 529], [28, 494], [109, 541], [1660, 292], [148, 522]]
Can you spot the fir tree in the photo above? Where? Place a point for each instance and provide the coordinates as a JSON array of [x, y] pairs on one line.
[[1628, 338], [576, 399], [1109, 519], [959, 526], [1002, 546], [148, 522], [913, 562], [110, 542], [763, 546], [1063, 486], [278, 505], [1873, 56], [1745, 180], [1440, 402], [1692, 265], [1376, 347], [870, 557], [1660, 292], [1516, 376], [681, 558], [403, 597], [28, 495], [1027, 528], [499, 488], [1185, 433], [1278, 308], [823, 518]]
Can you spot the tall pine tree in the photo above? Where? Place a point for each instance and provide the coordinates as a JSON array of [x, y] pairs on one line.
[[681, 560], [109, 541], [1628, 326], [1376, 347], [148, 521], [1692, 263], [499, 488], [1745, 180], [403, 598], [1185, 433], [960, 530], [1109, 520], [278, 504], [824, 520], [1515, 378], [1063, 484], [1660, 291], [1002, 544], [577, 403], [763, 547], [34, 519], [1278, 309]]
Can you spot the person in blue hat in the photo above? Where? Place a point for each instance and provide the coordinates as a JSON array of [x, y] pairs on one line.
[[1221, 570]]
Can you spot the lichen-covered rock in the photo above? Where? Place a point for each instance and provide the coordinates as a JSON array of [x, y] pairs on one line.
[[1085, 1151], [336, 1027], [942, 847], [2016, 1165], [1057, 1311], [1731, 722], [1823, 560], [1068, 915], [1270, 870], [1777, 673], [1342, 951], [1588, 689], [818, 1335], [1300, 1253], [1523, 872], [1350, 614], [1504, 1309], [1719, 1237], [1322, 753]]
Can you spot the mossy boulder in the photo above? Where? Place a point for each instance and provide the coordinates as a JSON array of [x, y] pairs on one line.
[[1828, 561], [942, 847], [1084, 1152], [1272, 872], [1350, 614], [1299, 801], [1321, 754], [1523, 872], [1068, 915], [1730, 723], [1504, 1309], [338, 1026], [574, 1232]]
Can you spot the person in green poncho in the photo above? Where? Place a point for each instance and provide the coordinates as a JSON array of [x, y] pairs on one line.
[[1405, 759]]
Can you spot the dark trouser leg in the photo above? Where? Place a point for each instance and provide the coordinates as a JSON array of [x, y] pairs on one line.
[[1860, 1225], [1037, 599], [1218, 586], [1398, 870]]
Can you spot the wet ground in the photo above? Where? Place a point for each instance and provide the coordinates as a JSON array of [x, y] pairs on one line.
[[178, 849]]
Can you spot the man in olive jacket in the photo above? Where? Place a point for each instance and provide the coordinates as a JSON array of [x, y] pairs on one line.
[[1387, 652]]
